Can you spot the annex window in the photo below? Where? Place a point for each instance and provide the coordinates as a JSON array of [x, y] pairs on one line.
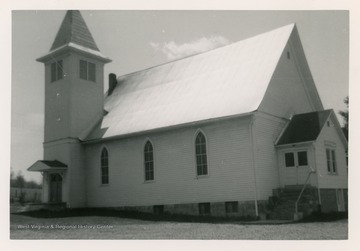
[[231, 207], [57, 71], [200, 152], [289, 160], [331, 161], [87, 70], [149, 161], [302, 158], [104, 167]]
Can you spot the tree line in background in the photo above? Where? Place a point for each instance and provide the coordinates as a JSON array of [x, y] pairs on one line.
[[345, 115], [18, 180], [23, 191]]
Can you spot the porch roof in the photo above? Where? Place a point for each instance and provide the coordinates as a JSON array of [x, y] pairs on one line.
[[47, 165], [304, 127]]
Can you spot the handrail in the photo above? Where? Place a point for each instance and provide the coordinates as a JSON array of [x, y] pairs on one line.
[[303, 188]]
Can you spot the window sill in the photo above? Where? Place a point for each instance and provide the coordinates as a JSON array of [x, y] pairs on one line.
[[333, 174], [149, 181], [104, 185], [202, 176]]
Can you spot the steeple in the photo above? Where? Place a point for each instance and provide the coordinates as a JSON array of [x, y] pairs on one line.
[[74, 30], [74, 80], [74, 36]]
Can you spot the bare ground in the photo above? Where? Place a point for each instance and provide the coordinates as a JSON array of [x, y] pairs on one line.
[[102, 227]]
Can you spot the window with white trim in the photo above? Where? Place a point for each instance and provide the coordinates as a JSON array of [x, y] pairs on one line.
[[149, 161], [201, 156], [331, 161], [289, 159], [87, 70], [104, 167], [57, 71]]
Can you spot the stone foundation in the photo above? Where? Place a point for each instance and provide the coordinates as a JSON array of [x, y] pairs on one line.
[[329, 200], [217, 209]]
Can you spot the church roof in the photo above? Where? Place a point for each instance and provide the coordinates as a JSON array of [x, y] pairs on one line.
[[304, 127], [221, 83], [73, 29]]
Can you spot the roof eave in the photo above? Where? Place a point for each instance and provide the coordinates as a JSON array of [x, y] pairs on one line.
[[201, 122], [338, 128], [295, 144], [71, 47]]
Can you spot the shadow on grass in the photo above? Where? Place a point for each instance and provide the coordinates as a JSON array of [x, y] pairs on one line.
[[325, 217], [81, 212], [104, 212]]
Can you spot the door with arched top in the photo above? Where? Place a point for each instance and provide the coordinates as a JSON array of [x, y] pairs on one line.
[[55, 188]]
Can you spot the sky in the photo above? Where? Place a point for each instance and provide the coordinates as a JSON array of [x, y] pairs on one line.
[[136, 40]]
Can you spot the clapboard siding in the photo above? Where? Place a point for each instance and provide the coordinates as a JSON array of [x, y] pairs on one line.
[[286, 94], [266, 131], [76, 176], [230, 172], [329, 134]]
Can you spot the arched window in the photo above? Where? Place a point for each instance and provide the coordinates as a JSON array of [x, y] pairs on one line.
[[104, 166], [149, 161], [200, 151]]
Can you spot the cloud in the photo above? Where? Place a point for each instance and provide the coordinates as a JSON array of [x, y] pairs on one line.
[[173, 50]]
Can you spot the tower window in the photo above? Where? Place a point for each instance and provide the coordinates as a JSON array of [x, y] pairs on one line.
[[57, 71], [87, 70]]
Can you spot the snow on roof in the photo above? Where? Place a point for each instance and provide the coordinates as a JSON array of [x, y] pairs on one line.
[[227, 81]]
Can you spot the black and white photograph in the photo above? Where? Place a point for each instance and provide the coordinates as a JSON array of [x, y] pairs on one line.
[[179, 124]]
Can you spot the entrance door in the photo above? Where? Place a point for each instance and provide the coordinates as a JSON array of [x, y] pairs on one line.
[[55, 188], [296, 167]]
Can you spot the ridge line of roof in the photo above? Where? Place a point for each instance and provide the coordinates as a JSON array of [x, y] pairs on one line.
[[200, 53]]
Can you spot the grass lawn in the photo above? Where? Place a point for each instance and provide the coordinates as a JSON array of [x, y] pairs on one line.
[[31, 226]]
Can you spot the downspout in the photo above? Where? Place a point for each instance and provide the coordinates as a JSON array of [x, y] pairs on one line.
[[317, 176], [252, 144]]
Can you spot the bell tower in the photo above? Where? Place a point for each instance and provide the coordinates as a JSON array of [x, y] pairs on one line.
[[73, 80], [74, 93]]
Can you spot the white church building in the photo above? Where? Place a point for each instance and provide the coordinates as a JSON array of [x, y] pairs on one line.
[[236, 131]]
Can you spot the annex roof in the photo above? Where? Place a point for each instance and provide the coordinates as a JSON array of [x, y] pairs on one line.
[[47, 165], [224, 82], [304, 127]]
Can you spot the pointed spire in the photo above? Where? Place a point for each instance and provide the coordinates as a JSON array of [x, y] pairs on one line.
[[74, 30]]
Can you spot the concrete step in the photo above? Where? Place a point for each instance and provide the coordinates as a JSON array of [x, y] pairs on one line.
[[284, 199]]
